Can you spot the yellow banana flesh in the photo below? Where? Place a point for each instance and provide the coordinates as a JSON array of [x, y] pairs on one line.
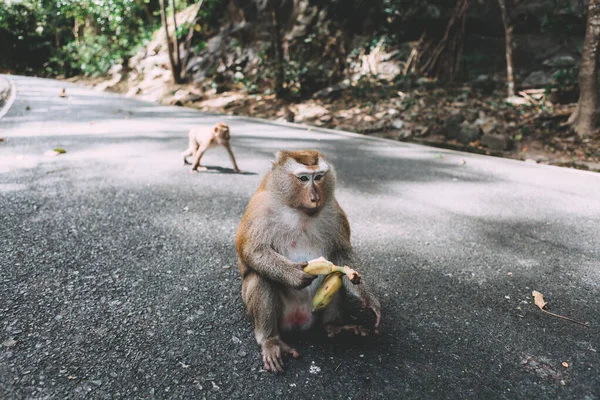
[[320, 266], [331, 284]]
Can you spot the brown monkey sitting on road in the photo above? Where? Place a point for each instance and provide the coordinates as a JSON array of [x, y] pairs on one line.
[[203, 138], [292, 218]]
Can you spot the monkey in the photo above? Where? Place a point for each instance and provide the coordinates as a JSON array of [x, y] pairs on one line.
[[292, 218], [201, 139]]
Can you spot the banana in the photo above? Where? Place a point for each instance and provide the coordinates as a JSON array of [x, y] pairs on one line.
[[331, 284], [320, 266]]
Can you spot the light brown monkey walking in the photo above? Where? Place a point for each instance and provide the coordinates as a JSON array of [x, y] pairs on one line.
[[292, 218], [201, 139]]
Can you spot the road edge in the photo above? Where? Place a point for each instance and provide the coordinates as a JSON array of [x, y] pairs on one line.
[[12, 95], [388, 141]]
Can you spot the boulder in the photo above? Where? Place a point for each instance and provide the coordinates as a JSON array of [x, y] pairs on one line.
[[452, 125], [496, 142], [468, 134]]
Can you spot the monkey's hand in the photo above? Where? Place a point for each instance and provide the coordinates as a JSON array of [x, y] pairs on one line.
[[371, 302], [301, 279]]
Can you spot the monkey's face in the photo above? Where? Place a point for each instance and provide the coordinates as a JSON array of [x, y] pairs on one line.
[[221, 133], [307, 181]]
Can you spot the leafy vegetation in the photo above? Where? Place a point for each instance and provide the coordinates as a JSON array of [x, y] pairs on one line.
[[72, 36]]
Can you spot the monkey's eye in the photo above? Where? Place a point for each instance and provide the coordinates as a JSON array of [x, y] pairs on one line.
[[303, 178], [318, 177]]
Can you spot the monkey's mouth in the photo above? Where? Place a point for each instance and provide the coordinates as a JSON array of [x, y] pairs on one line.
[[310, 211]]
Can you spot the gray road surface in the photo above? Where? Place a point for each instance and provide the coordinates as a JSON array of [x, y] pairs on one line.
[[118, 276]]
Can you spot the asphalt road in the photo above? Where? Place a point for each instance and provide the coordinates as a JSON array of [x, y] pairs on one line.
[[118, 275]]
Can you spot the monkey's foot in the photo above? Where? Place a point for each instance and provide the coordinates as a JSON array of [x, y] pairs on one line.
[[333, 330], [199, 169], [273, 351]]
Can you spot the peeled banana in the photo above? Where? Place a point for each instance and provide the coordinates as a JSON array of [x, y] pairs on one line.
[[320, 266], [331, 284]]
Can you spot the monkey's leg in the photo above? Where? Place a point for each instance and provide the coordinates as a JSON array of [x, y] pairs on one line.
[[264, 306], [196, 163], [333, 317], [186, 154]]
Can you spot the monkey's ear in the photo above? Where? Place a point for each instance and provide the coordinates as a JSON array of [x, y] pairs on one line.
[[279, 157], [216, 128]]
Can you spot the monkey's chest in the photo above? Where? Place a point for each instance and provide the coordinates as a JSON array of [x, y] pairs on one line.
[[298, 250], [297, 304]]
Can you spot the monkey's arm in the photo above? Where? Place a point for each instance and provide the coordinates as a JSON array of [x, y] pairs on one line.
[[228, 148], [273, 266]]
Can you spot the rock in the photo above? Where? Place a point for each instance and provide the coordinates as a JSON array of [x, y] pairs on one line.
[[560, 62], [238, 76], [471, 116], [468, 134], [487, 125], [496, 142], [398, 124], [219, 102], [310, 111], [452, 125], [517, 101], [333, 90], [537, 79]]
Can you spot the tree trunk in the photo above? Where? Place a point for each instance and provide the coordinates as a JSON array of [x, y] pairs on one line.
[[175, 69], [508, 29], [149, 16], [440, 57], [280, 90], [190, 37], [583, 119], [176, 41]]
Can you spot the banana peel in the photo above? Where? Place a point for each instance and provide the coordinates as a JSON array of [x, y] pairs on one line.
[[320, 266], [332, 282]]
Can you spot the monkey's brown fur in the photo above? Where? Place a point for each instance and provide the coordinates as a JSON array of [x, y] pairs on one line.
[[292, 218], [201, 139]]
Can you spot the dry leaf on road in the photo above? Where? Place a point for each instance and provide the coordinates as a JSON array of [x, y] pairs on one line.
[[538, 299]]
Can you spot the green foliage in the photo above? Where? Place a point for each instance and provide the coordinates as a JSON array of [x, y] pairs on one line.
[[70, 36]]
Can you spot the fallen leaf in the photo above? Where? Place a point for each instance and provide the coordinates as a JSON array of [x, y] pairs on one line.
[[538, 299], [9, 342], [510, 274], [565, 364], [59, 150], [1, 139], [226, 266], [462, 162]]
